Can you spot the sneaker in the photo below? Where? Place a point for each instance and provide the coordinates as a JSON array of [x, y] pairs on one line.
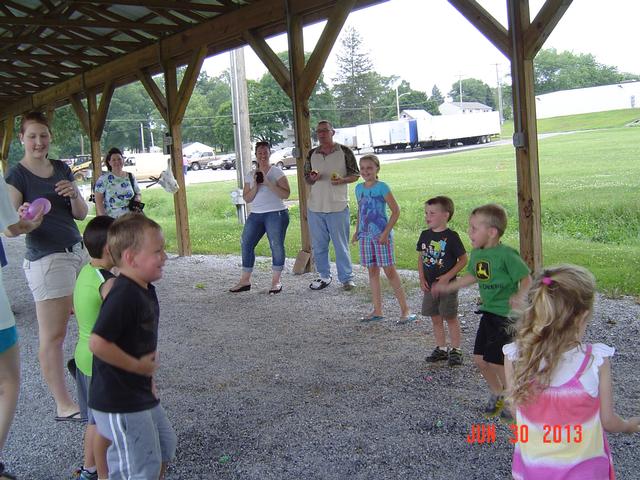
[[494, 406], [407, 319], [4, 475], [455, 357], [82, 474], [320, 283], [438, 355], [350, 285]]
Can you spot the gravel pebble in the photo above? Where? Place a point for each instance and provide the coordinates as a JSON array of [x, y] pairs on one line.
[[292, 386]]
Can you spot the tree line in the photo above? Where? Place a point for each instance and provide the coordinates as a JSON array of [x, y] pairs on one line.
[[357, 95]]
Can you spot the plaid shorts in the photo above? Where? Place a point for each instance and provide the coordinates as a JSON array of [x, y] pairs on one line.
[[374, 254]]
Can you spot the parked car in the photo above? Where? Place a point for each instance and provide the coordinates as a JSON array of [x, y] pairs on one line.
[[200, 160], [146, 165], [215, 163], [228, 161], [283, 158]]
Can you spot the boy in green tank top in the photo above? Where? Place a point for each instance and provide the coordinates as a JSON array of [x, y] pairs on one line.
[[92, 286], [503, 280]]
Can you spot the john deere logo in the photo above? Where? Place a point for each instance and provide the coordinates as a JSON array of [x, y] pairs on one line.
[[482, 271]]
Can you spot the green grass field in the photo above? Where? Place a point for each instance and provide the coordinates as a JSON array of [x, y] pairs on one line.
[[590, 184], [585, 121]]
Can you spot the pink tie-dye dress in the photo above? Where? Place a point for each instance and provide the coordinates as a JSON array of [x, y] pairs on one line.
[[565, 435]]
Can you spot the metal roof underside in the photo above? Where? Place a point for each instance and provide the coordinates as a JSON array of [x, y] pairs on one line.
[[43, 43]]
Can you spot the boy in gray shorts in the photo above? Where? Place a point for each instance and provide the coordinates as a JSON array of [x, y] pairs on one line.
[[124, 342], [441, 256]]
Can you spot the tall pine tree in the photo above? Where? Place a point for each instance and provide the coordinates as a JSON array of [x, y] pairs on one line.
[[357, 88]]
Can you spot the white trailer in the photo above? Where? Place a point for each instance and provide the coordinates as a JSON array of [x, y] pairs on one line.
[[450, 130], [346, 136], [363, 137]]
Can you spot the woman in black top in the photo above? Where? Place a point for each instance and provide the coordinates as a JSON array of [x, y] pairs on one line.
[[54, 253]]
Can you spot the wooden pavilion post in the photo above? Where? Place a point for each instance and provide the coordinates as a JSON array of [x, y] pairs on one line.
[[6, 133], [176, 102], [525, 137], [302, 130], [92, 119], [520, 45], [298, 84]]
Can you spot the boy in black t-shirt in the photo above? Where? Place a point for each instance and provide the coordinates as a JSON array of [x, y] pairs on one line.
[[124, 342], [441, 256]]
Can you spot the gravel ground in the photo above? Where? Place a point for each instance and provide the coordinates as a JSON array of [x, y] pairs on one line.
[[292, 386]]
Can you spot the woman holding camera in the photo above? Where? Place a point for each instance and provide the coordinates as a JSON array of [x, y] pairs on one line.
[[116, 189], [265, 189]]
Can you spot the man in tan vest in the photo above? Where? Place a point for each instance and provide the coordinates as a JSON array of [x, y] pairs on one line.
[[328, 170]]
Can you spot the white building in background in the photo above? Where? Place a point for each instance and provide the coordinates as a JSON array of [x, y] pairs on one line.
[[587, 100], [414, 114], [456, 108], [189, 149]]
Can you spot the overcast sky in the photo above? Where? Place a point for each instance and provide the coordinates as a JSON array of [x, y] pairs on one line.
[[428, 42]]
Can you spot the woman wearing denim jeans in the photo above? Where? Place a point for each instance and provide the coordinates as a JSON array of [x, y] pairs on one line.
[[265, 188]]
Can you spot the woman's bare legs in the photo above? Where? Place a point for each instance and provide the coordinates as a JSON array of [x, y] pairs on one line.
[[53, 316], [9, 389]]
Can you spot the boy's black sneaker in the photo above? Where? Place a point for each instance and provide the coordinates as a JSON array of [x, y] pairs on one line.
[[455, 357], [438, 355]]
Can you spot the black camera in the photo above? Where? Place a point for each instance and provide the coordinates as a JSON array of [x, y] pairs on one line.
[[135, 206], [259, 177]]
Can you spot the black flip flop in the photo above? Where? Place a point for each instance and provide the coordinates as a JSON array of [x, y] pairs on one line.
[[74, 417], [275, 291], [243, 288]]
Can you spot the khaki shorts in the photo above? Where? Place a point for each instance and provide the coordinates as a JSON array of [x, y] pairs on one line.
[[54, 276], [445, 305]]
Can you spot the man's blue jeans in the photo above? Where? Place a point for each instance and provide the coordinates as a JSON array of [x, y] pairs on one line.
[[335, 227], [274, 224]]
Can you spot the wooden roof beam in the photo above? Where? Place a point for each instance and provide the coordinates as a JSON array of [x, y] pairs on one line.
[[163, 4], [55, 57], [103, 109], [76, 103], [270, 60], [218, 34], [188, 84], [321, 52], [154, 92], [486, 23], [80, 23], [49, 40], [542, 26]]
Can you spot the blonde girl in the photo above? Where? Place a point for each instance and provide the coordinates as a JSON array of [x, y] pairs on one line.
[[374, 233], [559, 386]]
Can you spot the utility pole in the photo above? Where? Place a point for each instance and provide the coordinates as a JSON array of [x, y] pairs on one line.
[[499, 93], [151, 135], [142, 137], [460, 87], [241, 133]]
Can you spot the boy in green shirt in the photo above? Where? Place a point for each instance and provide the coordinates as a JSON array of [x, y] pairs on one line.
[[92, 286], [503, 279]]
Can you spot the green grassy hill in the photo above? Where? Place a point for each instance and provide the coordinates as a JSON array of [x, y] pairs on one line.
[[585, 121]]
